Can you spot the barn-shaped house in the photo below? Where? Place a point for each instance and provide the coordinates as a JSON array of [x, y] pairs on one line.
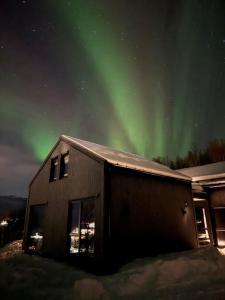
[[90, 200], [208, 182]]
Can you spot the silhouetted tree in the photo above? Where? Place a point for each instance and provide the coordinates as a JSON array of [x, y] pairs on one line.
[[214, 152]]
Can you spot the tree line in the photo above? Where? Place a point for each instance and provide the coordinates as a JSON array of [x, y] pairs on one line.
[[214, 152]]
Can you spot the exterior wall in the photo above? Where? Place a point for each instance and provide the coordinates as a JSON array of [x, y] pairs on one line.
[[217, 197], [85, 179], [147, 214]]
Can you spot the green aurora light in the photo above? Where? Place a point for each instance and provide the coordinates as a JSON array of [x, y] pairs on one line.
[[142, 93]]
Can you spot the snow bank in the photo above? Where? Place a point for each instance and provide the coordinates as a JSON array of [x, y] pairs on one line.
[[10, 250], [197, 274]]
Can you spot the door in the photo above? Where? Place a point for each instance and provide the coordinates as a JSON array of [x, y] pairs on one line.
[[36, 231]]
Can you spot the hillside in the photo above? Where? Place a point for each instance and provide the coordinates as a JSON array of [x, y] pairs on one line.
[[12, 206]]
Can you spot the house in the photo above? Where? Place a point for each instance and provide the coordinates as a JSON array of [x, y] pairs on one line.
[[90, 200], [208, 182]]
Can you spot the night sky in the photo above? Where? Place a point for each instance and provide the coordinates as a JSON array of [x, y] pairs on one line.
[[146, 77]]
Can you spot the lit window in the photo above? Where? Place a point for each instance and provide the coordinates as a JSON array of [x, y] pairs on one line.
[[64, 165], [87, 227], [82, 227], [54, 169]]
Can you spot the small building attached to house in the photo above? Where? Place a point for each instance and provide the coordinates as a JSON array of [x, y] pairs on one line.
[[90, 200], [208, 183]]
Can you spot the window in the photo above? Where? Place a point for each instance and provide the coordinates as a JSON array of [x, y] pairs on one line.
[[74, 227], [36, 228], [87, 227], [82, 227], [64, 166], [54, 169]]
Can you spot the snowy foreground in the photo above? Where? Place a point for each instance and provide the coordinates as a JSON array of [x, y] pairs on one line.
[[198, 274]]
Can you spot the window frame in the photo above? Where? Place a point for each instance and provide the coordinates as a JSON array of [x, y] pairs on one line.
[[62, 173], [54, 169]]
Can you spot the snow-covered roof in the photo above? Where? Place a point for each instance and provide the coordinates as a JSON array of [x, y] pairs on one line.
[[205, 172], [124, 159], [214, 184]]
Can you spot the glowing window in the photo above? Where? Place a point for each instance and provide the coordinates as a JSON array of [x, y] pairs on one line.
[[82, 227], [87, 227]]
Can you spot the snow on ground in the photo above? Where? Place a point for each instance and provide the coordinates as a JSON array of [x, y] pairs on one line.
[[11, 250], [197, 274]]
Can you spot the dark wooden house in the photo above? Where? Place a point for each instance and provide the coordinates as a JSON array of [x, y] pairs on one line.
[[208, 182], [90, 200]]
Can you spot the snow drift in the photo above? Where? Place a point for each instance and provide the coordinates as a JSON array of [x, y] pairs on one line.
[[197, 274]]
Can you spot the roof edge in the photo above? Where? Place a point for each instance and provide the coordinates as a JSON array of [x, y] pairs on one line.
[[177, 175], [76, 145], [82, 148], [208, 177]]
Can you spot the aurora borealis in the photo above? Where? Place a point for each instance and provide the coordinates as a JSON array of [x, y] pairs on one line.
[[141, 76]]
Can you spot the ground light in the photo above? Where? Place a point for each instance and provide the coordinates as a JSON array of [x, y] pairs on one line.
[[3, 225]]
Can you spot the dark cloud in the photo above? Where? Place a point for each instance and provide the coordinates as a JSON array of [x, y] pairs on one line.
[[17, 169]]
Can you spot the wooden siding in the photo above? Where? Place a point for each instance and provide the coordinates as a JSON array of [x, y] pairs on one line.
[[147, 214], [217, 197], [85, 180]]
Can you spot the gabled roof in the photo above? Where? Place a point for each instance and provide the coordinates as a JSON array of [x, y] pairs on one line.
[[124, 159], [206, 172]]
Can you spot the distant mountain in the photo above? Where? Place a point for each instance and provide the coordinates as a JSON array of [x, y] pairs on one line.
[[12, 206]]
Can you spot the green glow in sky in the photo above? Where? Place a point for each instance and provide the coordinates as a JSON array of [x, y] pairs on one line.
[[139, 78], [116, 72]]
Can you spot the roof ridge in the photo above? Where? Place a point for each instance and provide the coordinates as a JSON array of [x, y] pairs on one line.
[[130, 160]]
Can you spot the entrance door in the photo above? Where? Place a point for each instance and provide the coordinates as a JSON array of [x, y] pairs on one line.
[[36, 228]]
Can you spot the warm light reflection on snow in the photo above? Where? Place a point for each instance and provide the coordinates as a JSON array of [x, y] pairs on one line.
[[221, 250]]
